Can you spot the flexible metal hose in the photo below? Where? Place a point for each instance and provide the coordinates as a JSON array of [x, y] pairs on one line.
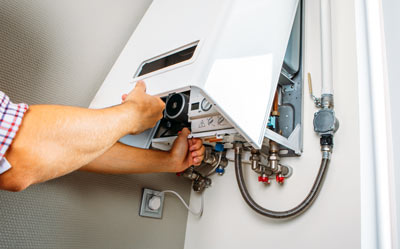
[[280, 214]]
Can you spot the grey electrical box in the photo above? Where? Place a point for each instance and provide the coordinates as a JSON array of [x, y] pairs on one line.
[[145, 210]]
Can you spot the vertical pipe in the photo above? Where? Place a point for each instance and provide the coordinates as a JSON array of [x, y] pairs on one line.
[[380, 110], [275, 112], [275, 105], [369, 219], [326, 47]]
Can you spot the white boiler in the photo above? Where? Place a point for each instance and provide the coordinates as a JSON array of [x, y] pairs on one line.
[[221, 59]]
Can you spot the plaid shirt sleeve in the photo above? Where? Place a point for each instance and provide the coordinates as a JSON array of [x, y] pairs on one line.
[[10, 120]]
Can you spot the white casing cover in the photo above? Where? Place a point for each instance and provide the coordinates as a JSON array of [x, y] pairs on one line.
[[236, 64]]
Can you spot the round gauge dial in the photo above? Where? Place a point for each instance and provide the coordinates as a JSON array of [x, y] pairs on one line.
[[205, 105]]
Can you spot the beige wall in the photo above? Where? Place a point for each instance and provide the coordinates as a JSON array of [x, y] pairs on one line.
[[59, 52]]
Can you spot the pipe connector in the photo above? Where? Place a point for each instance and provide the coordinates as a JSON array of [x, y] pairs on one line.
[[327, 101], [273, 158], [209, 156], [238, 148], [326, 151], [255, 161]]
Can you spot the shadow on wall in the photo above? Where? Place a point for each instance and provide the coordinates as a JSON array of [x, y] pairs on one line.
[[40, 65], [85, 210], [23, 56], [59, 52]]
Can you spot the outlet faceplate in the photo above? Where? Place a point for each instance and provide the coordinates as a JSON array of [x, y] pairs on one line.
[[145, 210]]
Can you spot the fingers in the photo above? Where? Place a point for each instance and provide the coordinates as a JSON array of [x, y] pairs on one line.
[[190, 142], [185, 132], [196, 144], [140, 86], [198, 159], [196, 148], [181, 151], [181, 145], [197, 153], [124, 97], [162, 103]]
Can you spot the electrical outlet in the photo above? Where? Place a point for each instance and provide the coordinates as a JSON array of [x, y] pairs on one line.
[[152, 203]]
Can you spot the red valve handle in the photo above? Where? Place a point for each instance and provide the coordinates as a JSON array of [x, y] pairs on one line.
[[264, 179], [280, 179]]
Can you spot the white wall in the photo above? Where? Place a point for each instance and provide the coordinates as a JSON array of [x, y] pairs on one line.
[[334, 219], [391, 10]]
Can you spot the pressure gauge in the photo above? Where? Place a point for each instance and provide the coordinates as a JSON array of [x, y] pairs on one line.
[[205, 105]]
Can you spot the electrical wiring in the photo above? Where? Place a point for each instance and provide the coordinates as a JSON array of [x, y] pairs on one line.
[[198, 213]]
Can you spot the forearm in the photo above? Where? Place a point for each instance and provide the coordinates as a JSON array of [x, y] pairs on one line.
[[123, 159], [55, 140]]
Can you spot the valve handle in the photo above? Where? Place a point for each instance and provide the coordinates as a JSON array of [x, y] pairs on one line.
[[264, 179], [280, 179]]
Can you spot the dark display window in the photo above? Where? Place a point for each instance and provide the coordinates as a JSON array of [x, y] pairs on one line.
[[185, 54]]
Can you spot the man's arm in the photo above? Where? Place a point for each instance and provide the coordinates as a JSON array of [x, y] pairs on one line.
[[55, 140], [123, 159]]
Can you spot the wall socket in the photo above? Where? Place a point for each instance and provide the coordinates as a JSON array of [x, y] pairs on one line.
[[152, 204]]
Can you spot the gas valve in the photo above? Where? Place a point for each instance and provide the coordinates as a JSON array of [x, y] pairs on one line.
[[264, 178], [280, 179]]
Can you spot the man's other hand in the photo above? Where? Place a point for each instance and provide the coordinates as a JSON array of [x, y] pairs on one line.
[[147, 109], [186, 152]]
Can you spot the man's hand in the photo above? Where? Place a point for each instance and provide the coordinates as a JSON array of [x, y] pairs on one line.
[[186, 152], [147, 110], [124, 159]]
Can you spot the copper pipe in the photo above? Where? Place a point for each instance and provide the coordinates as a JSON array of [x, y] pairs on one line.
[[275, 111]]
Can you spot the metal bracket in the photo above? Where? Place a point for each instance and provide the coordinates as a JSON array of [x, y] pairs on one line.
[[163, 143], [293, 142], [291, 101]]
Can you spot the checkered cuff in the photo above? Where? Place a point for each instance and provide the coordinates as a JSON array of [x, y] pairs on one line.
[[10, 120]]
